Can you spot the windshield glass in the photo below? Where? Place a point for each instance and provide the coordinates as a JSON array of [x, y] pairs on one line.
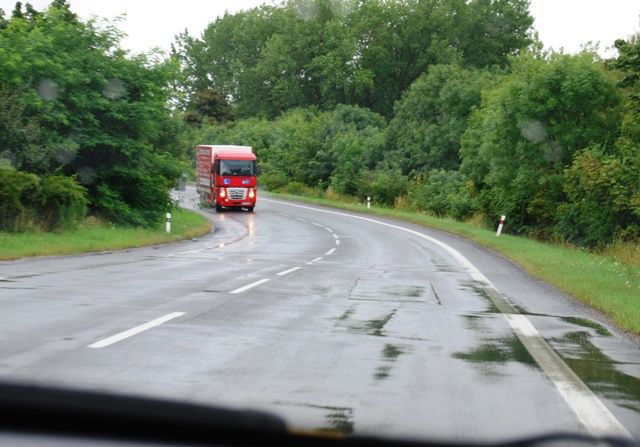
[[443, 241], [237, 167]]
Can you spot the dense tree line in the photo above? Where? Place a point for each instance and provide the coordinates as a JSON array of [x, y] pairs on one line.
[[358, 52], [442, 106], [83, 125]]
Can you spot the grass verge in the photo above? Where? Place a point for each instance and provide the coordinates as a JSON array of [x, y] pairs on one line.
[[599, 280], [96, 236]]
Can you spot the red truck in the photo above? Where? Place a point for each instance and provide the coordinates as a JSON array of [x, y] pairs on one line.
[[226, 176]]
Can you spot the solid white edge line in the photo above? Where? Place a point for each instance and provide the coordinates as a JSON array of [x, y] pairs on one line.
[[286, 272], [249, 286], [589, 409], [133, 331], [330, 252]]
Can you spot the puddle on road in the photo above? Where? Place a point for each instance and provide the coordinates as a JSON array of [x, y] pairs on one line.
[[390, 354], [497, 352], [597, 370], [340, 420], [375, 327], [347, 314], [584, 322], [408, 291], [481, 292]]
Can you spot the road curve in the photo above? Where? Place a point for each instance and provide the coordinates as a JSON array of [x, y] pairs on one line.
[[332, 320]]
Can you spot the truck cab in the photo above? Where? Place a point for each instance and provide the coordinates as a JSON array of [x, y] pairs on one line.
[[227, 176]]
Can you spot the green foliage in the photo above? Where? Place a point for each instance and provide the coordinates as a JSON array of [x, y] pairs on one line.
[[322, 53], [61, 202], [603, 197], [17, 191], [131, 197], [73, 102], [208, 106], [432, 116], [527, 130], [384, 185], [441, 193]]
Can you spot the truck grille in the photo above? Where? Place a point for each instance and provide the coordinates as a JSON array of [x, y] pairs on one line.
[[237, 193]]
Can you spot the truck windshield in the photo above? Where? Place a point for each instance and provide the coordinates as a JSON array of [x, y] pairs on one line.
[[237, 167]]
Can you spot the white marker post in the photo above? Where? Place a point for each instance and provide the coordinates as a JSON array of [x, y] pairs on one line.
[[368, 202], [168, 223], [500, 225]]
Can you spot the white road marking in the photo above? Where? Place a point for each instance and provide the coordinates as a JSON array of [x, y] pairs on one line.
[[328, 229], [330, 252], [317, 259], [249, 286], [335, 236], [317, 224], [286, 272], [133, 331], [301, 219], [337, 241], [590, 410]]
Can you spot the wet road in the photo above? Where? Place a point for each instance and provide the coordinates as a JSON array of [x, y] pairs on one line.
[[329, 319]]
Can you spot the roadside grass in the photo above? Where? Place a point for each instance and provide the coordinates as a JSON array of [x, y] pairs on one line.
[[95, 236], [602, 281]]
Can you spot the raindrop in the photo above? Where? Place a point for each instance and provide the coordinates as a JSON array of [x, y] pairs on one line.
[[533, 130], [114, 89], [7, 159], [86, 175], [306, 10], [47, 89], [552, 151], [65, 153]]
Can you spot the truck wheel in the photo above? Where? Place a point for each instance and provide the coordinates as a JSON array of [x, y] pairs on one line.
[[250, 209], [218, 209]]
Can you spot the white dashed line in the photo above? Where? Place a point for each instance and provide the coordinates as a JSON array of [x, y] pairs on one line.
[[317, 259], [317, 224], [133, 331], [337, 241], [249, 286], [286, 272], [330, 252], [328, 229]]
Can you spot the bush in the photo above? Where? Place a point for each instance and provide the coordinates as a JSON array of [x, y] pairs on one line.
[[383, 186], [62, 203], [442, 193], [17, 193], [130, 197], [603, 199]]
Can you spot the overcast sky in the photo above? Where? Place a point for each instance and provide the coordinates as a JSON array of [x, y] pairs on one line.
[[567, 24]]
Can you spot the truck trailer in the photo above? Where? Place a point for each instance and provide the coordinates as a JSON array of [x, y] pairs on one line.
[[226, 176]]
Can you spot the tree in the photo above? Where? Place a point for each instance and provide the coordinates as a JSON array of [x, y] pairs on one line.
[[95, 122], [527, 130], [208, 106], [431, 117], [327, 52]]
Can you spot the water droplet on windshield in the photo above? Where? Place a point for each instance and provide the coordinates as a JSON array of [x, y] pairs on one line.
[[86, 175], [47, 89], [114, 89], [533, 130]]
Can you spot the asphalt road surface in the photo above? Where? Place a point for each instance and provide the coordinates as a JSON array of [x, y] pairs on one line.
[[330, 319]]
